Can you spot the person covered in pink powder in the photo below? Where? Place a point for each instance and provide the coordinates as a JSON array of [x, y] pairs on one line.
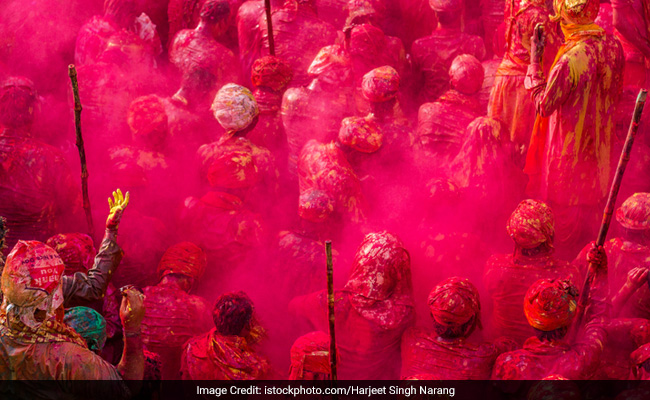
[[372, 311], [508, 276], [434, 54], [442, 123], [299, 34], [510, 102], [172, 314], [197, 48], [446, 352]]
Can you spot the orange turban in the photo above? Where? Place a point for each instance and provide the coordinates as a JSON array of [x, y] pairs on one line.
[[183, 258], [531, 224], [454, 301], [550, 304]]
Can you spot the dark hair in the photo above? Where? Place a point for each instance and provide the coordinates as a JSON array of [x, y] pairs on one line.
[[550, 336], [232, 313], [214, 11], [455, 332], [646, 365]]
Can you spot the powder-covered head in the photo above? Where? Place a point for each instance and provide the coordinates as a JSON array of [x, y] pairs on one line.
[[315, 205], [234, 107], [576, 12], [215, 11], [531, 224], [447, 5], [75, 249], [89, 324], [634, 213], [310, 354], [331, 64], [183, 258], [18, 102], [31, 281], [454, 301], [466, 74], [380, 84], [361, 134], [148, 121], [232, 313], [271, 72], [550, 304]]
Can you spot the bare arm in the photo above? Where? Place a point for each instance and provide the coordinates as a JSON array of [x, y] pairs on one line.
[[131, 366]]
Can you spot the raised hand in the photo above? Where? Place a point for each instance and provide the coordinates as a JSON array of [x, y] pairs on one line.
[[116, 205], [537, 44]]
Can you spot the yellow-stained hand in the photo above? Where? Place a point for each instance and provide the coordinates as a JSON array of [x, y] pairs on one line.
[[117, 205]]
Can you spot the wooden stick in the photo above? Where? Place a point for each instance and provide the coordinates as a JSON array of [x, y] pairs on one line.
[[611, 200], [269, 26], [72, 72], [330, 308]]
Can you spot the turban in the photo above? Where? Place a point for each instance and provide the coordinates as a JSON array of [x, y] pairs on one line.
[[234, 107], [380, 84], [310, 353], [75, 249], [333, 60], [466, 74], [18, 101], [447, 5], [89, 324], [634, 213], [454, 301], [233, 166], [148, 121], [31, 281], [214, 11], [271, 72], [361, 134], [550, 304], [315, 205], [578, 12], [183, 258], [531, 224]]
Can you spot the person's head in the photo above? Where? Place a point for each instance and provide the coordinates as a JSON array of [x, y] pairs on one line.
[[550, 306], [75, 249], [232, 314], [448, 12], [197, 88], [331, 67], [572, 12], [148, 121], [18, 103], [360, 12], [315, 205], [271, 73], [235, 108], [184, 263], [532, 227], [466, 74], [455, 308], [641, 362], [215, 15], [31, 284], [360, 134], [380, 87], [310, 359], [634, 216], [381, 266], [89, 324]]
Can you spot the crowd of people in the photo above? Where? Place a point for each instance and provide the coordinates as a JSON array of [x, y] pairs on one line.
[[458, 154]]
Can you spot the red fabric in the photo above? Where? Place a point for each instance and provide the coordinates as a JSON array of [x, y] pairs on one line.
[[31, 273], [324, 167], [215, 357], [454, 302], [466, 74], [92, 39], [361, 134], [75, 249], [634, 213], [183, 258], [18, 102], [370, 48], [425, 352], [148, 121], [550, 304], [183, 14], [310, 353], [315, 205], [271, 72], [531, 224]]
